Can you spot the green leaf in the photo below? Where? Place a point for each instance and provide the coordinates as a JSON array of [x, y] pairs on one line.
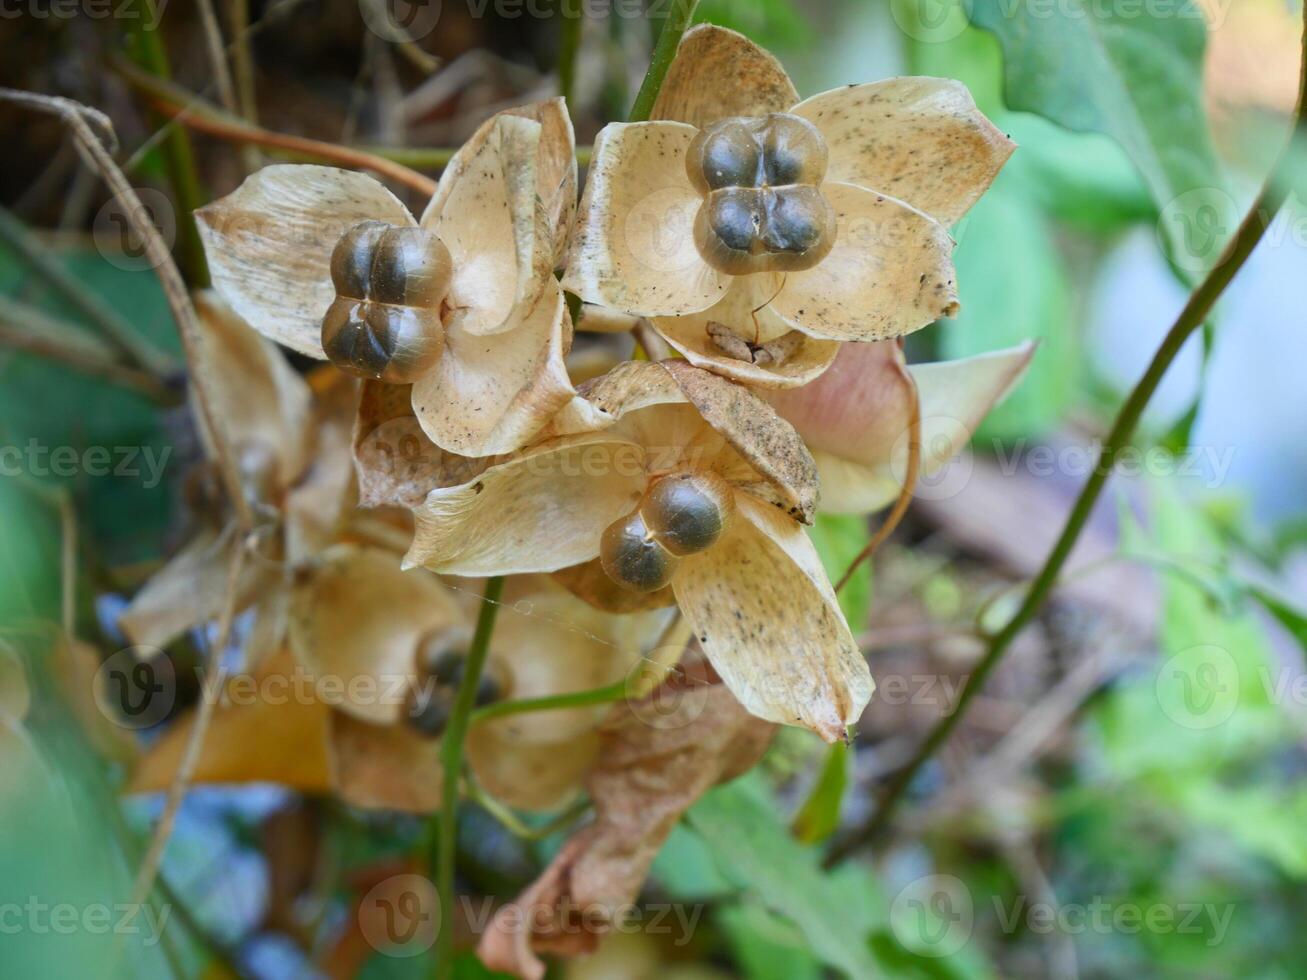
[[684, 867], [754, 851], [1289, 617], [1010, 294], [820, 813], [840, 538], [766, 946], [1126, 71]]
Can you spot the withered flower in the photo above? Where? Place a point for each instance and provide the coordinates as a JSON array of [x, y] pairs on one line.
[[362, 691], [673, 478], [757, 231], [291, 443], [462, 305]]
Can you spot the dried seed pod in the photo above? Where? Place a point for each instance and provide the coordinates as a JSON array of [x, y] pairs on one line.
[[633, 558], [440, 661], [725, 154], [385, 322], [687, 512], [427, 708], [742, 230], [793, 151], [763, 210]]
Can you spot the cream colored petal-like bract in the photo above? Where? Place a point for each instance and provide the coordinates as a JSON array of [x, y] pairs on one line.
[[890, 272], [542, 510], [190, 590], [490, 394], [762, 438], [269, 728], [689, 335], [767, 618], [718, 73], [633, 249], [485, 212], [254, 395], [358, 619], [920, 139], [858, 409], [548, 642], [269, 244], [526, 775], [955, 398]]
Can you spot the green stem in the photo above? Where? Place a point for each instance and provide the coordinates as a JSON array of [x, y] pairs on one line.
[[568, 47], [148, 52], [678, 20], [554, 702], [451, 759], [1191, 318]]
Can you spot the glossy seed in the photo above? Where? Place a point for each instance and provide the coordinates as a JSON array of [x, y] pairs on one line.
[[426, 709], [798, 228], [687, 512], [793, 151], [726, 154], [632, 558], [385, 322]]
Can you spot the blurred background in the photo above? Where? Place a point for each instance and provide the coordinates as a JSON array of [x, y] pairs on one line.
[[1128, 797]]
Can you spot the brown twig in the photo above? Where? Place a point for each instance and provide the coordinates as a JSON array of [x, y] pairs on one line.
[[79, 119], [27, 329], [192, 111]]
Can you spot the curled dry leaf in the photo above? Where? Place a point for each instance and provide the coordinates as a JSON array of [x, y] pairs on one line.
[[642, 782]]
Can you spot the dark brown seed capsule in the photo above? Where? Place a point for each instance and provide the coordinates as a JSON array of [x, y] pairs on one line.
[[427, 708], [385, 322], [793, 151], [632, 558], [725, 154], [687, 512], [798, 229]]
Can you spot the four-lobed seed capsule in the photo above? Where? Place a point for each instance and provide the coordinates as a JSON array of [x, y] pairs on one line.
[[763, 210], [385, 322]]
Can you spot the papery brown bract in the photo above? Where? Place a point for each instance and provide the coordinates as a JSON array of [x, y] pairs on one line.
[[645, 778]]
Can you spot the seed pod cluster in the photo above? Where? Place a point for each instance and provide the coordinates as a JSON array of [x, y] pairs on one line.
[[763, 210], [385, 322], [681, 514], [440, 661]]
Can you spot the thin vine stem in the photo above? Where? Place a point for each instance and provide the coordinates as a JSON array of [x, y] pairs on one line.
[[669, 39], [569, 46], [451, 759], [179, 155], [905, 494], [1191, 319], [553, 702]]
